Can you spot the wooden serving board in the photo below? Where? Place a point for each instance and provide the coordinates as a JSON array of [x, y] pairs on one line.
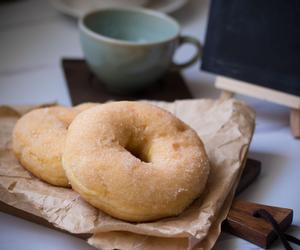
[[240, 220]]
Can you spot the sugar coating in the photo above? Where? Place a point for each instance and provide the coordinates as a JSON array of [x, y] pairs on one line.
[[135, 161], [38, 141]]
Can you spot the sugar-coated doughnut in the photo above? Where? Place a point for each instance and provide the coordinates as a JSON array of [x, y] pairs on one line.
[[134, 161], [38, 140]]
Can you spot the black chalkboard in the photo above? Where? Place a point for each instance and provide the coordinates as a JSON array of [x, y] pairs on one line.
[[256, 41]]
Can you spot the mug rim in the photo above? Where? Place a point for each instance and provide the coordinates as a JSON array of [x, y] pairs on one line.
[[101, 37]]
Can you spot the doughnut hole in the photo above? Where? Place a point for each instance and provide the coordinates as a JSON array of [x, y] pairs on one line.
[[138, 146], [138, 152]]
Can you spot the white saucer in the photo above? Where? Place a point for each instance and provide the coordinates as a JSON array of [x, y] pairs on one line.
[[77, 8]]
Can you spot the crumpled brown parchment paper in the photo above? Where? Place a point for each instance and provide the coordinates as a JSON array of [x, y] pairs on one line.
[[226, 128]]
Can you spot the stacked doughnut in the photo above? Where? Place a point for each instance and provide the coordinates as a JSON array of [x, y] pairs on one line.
[[132, 160]]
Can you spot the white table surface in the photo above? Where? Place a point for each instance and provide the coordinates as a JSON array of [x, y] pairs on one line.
[[33, 39]]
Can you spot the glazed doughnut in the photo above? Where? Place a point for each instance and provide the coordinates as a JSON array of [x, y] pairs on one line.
[[134, 161], [38, 140]]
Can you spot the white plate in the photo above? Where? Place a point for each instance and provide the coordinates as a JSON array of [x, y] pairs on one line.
[[166, 6], [77, 8]]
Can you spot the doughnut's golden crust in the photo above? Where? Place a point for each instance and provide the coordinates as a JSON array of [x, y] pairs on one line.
[[102, 161], [38, 140]]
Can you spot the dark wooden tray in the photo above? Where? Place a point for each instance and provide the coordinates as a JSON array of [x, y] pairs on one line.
[[85, 87]]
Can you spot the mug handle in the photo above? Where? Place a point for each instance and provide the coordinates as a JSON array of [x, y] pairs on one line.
[[195, 58]]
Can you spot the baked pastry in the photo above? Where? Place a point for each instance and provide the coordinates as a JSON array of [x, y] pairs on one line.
[[135, 161], [38, 140]]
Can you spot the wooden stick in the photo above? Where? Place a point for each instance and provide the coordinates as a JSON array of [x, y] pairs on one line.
[[295, 122], [239, 87]]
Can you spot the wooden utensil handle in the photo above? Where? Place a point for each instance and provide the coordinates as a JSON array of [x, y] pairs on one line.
[[241, 222]]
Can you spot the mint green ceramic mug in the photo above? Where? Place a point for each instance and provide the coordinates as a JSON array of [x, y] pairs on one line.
[[129, 49]]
